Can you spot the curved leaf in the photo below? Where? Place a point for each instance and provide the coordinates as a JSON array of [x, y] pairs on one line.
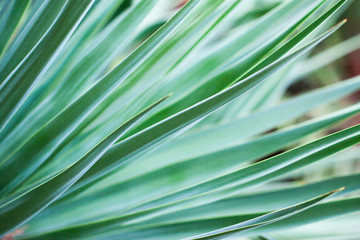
[[153, 185], [31, 33], [38, 148], [264, 220], [22, 207], [147, 139], [17, 86], [9, 21]]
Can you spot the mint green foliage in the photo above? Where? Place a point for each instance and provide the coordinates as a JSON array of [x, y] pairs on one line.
[[106, 135]]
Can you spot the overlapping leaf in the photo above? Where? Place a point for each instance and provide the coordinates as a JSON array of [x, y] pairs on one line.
[[17, 86], [62, 110], [17, 209]]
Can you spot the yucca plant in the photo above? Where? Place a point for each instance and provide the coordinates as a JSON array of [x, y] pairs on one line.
[[158, 119]]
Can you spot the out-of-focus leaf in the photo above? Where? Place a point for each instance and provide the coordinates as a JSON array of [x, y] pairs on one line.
[[264, 219], [184, 229], [247, 225], [9, 21], [157, 133], [20, 208], [215, 137], [248, 64], [322, 59], [231, 183], [258, 202], [175, 177]]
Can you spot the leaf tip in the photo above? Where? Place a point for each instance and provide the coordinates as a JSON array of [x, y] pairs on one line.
[[338, 190]]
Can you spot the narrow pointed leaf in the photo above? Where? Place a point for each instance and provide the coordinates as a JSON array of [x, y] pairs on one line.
[[181, 175], [31, 33], [264, 220], [13, 12], [60, 127], [22, 80], [22, 207], [157, 133]]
